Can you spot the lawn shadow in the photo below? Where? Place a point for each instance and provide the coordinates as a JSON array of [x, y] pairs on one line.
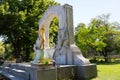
[[105, 63]]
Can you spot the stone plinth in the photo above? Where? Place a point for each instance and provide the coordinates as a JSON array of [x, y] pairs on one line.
[[66, 72], [16, 71], [87, 71], [27, 72], [43, 74]]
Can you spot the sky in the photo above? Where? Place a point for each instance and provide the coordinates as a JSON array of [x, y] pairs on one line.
[[85, 10]]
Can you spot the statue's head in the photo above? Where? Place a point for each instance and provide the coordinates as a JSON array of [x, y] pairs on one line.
[[42, 29]]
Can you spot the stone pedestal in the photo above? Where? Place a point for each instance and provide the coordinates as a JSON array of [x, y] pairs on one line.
[[25, 71], [66, 72], [43, 74], [87, 71]]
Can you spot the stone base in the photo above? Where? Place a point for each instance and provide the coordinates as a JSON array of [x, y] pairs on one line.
[[43, 74], [28, 72], [66, 72], [87, 71], [77, 72]]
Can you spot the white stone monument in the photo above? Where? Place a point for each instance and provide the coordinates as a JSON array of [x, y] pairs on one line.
[[66, 52]]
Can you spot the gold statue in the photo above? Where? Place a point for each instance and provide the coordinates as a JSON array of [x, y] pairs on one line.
[[42, 37]]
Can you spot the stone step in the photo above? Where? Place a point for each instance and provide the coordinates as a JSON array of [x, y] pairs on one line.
[[25, 67], [16, 71], [12, 77], [6, 69], [20, 73]]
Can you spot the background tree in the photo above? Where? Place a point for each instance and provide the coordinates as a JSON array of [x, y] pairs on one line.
[[111, 34], [19, 23], [100, 36], [117, 42], [90, 39], [53, 32]]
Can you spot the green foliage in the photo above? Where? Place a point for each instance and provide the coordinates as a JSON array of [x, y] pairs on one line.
[[8, 51], [19, 23], [45, 61], [100, 36], [90, 37], [117, 42], [81, 38], [53, 32], [2, 49]]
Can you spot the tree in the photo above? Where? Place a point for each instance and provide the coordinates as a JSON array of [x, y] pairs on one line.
[[19, 23], [110, 33], [53, 32], [117, 42], [80, 25], [81, 38], [99, 36], [90, 39]]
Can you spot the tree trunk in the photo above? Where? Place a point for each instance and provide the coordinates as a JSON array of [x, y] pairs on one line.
[[105, 54], [106, 57], [93, 51], [16, 53], [27, 54], [17, 48]]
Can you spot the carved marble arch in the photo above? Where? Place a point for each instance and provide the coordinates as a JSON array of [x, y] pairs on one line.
[[65, 17]]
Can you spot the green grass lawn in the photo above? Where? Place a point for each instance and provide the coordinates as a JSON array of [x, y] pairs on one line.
[[109, 71]]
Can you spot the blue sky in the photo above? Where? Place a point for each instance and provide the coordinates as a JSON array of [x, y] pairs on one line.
[[85, 10]]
